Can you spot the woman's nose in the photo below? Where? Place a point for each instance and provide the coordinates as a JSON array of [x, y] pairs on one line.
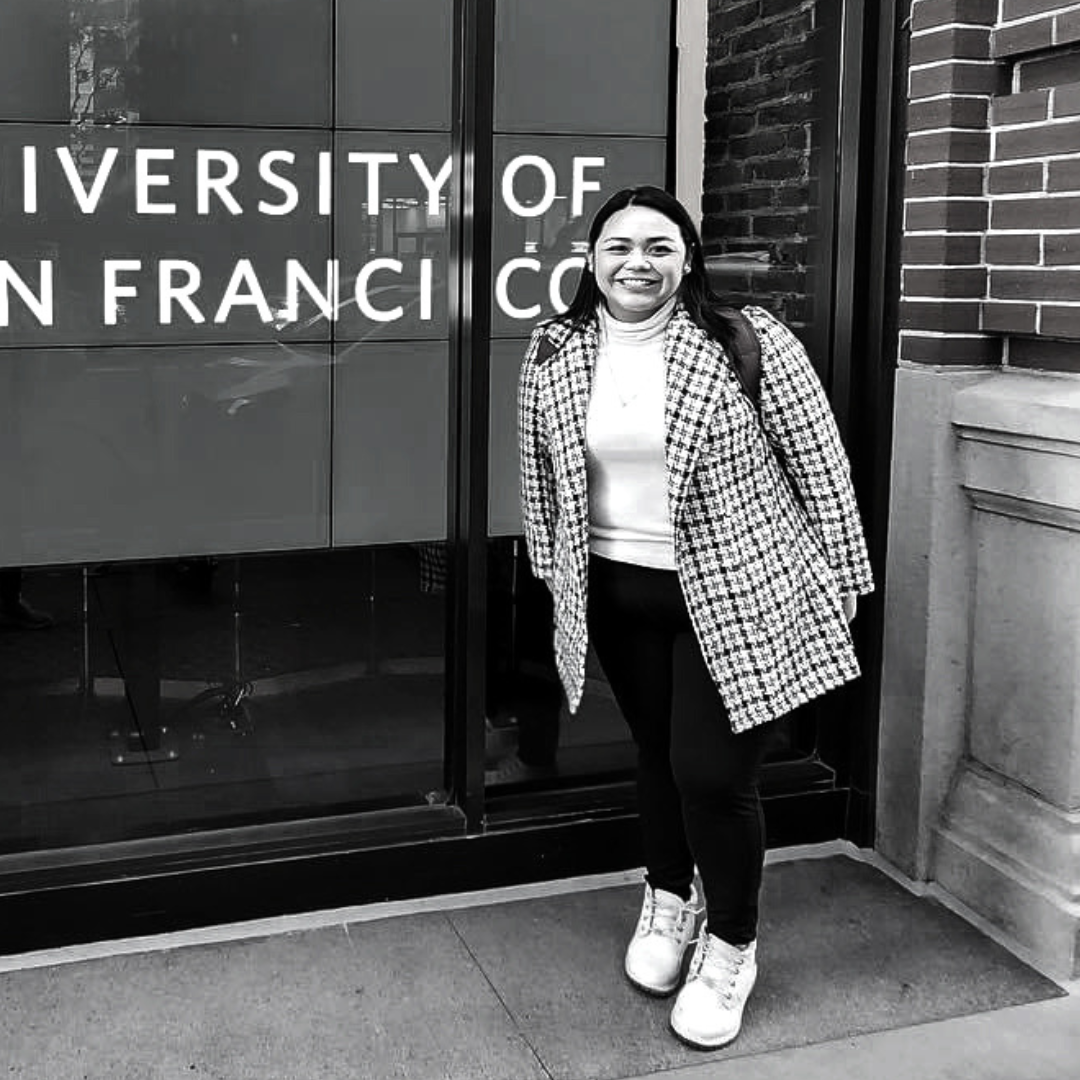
[[638, 257]]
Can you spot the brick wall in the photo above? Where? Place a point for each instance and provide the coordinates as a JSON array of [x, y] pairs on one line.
[[951, 78], [991, 249], [1032, 250], [759, 184]]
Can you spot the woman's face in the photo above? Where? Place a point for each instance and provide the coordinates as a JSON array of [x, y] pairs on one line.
[[639, 261]]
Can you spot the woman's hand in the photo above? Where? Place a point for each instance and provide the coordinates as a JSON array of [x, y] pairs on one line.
[[850, 600]]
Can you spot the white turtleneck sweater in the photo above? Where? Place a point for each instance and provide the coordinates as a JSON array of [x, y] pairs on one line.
[[629, 520]]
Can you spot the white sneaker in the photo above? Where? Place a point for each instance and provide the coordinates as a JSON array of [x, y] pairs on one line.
[[709, 1009], [664, 932]]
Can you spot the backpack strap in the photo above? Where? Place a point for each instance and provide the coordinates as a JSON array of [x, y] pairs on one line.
[[747, 363], [747, 360]]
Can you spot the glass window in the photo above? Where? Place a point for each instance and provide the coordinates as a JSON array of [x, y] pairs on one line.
[[504, 500], [163, 234], [573, 66], [394, 64], [531, 738], [546, 191], [204, 693], [225, 400], [121, 453], [245, 62], [35, 46], [392, 234], [240, 62], [391, 403]]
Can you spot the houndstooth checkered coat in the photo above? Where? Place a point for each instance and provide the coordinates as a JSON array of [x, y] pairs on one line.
[[762, 569]]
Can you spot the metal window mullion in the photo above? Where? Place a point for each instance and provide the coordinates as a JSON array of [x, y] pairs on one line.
[[470, 346]]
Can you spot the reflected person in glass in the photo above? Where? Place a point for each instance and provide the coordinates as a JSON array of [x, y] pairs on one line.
[[687, 500], [15, 612]]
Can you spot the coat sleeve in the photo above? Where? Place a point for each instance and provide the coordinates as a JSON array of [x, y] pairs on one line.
[[799, 423], [538, 502]]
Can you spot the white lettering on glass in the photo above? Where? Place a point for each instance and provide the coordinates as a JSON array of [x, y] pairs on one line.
[[41, 305], [326, 182], [285, 186], [219, 184], [502, 282], [145, 180], [30, 203], [113, 290], [574, 262], [243, 276], [362, 301], [427, 273], [296, 277], [433, 184], [86, 200], [579, 185], [373, 161], [550, 185], [169, 292]]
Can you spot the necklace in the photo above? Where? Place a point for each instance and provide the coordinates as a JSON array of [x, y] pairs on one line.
[[637, 346], [624, 394]]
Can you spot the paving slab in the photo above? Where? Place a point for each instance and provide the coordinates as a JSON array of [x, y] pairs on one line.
[[853, 966], [844, 950], [399, 998], [1027, 1042]]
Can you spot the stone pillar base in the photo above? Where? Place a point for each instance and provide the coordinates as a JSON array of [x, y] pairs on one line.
[[1015, 859]]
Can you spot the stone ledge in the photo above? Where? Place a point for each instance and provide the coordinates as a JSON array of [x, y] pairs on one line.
[[1041, 407], [1014, 858], [1019, 443]]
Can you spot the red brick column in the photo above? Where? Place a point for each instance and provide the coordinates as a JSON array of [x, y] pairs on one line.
[[991, 250], [946, 210], [1032, 248]]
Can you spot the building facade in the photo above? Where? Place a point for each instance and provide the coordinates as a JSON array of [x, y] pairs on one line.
[[266, 273], [978, 767]]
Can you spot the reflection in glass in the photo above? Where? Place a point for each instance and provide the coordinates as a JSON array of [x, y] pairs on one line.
[[100, 62], [769, 229], [136, 453], [537, 252], [103, 57], [504, 491], [531, 738], [206, 692], [408, 224]]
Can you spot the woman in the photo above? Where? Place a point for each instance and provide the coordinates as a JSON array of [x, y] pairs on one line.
[[709, 547]]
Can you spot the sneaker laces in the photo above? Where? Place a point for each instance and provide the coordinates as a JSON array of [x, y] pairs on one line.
[[666, 920], [718, 966]]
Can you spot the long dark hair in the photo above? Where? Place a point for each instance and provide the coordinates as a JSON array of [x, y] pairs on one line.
[[702, 304]]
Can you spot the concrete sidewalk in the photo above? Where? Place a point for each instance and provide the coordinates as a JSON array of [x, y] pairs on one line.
[[860, 977]]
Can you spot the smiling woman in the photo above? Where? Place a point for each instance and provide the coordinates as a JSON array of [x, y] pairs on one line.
[[714, 588], [638, 262]]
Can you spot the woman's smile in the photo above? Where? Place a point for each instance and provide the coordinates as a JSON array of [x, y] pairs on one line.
[[638, 262]]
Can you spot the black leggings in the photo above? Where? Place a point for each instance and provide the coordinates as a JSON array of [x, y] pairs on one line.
[[697, 780]]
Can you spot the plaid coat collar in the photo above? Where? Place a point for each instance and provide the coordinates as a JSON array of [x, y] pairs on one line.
[[695, 366]]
